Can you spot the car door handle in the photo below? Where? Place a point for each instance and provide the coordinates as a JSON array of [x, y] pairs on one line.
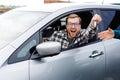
[[95, 53]]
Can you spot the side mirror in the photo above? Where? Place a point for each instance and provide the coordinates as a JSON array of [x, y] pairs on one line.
[[48, 48]]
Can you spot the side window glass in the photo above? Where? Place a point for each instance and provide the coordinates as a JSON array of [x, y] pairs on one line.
[[115, 23], [111, 18], [23, 53], [107, 16]]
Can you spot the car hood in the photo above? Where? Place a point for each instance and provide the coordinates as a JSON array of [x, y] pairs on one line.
[[5, 51], [3, 44]]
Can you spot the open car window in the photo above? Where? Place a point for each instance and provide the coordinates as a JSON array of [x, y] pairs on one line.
[[60, 24]]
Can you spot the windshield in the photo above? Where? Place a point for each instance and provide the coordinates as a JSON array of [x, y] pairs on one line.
[[14, 23]]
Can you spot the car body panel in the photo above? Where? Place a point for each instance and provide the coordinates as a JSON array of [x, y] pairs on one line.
[[73, 64], [21, 72], [5, 53], [112, 58], [93, 61]]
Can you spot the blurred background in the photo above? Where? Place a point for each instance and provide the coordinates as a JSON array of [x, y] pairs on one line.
[[6, 5]]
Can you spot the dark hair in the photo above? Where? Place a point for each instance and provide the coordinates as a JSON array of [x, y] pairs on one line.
[[73, 16]]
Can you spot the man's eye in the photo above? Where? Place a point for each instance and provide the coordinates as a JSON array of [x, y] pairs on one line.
[[76, 23], [73, 24]]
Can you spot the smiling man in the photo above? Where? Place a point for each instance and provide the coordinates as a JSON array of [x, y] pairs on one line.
[[73, 35]]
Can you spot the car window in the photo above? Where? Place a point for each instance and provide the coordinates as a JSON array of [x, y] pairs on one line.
[[110, 18], [115, 23], [60, 24], [24, 51]]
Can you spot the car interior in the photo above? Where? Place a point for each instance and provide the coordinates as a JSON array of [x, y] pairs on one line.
[[60, 24]]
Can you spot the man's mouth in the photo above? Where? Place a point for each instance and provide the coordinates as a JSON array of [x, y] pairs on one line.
[[73, 31]]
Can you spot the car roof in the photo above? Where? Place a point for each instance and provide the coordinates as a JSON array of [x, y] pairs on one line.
[[52, 7], [46, 7]]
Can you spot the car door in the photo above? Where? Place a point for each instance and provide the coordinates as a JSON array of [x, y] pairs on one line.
[[112, 59], [82, 63], [111, 19]]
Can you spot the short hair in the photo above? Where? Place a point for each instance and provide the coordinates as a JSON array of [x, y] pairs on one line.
[[73, 16]]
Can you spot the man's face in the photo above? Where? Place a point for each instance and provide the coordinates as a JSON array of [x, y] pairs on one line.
[[73, 27]]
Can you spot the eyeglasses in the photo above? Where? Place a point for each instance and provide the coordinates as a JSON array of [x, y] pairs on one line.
[[73, 24]]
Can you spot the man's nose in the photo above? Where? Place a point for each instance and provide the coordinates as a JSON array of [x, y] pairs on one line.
[[73, 26]]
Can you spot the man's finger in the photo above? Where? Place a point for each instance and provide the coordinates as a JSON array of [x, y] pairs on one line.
[[110, 29]]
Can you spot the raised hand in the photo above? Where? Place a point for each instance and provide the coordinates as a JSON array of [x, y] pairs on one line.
[[96, 18], [105, 35]]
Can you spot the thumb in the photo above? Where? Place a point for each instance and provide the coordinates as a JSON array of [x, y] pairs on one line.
[[110, 30]]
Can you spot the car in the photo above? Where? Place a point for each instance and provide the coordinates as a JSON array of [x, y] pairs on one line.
[[115, 2], [24, 55]]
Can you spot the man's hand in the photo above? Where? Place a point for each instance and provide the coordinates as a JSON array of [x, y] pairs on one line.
[[96, 18], [105, 35]]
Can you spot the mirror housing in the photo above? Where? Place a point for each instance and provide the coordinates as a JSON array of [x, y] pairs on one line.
[[49, 48]]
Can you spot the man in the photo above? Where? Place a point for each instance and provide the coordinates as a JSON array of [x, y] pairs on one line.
[[74, 36], [109, 34]]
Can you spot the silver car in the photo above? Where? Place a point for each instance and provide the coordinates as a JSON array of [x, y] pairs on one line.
[[24, 56]]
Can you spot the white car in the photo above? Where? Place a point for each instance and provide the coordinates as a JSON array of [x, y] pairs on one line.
[[23, 56], [97, 1]]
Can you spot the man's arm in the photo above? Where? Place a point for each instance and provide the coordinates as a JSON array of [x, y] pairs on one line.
[[92, 28], [95, 20], [108, 34], [117, 33], [90, 31]]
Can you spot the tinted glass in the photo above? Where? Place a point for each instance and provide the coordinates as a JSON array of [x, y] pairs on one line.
[[111, 18]]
